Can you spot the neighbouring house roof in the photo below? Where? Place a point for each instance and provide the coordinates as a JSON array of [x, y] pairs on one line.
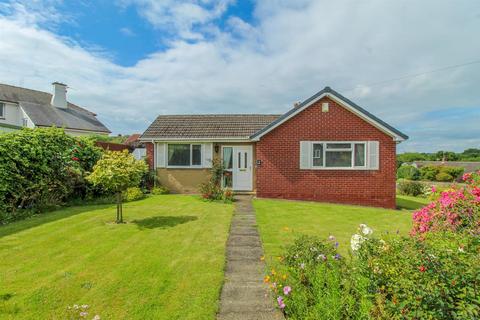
[[132, 138], [327, 91], [36, 105], [207, 126]]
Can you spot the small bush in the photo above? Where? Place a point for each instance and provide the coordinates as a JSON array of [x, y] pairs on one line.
[[456, 209], [408, 172], [133, 194], [160, 190], [211, 191], [455, 172], [443, 177], [429, 172], [411, 188]]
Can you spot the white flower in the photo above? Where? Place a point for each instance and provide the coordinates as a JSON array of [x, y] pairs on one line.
[[97, 317], [356, 241], [366, 230], [460, 249], [302, 265]]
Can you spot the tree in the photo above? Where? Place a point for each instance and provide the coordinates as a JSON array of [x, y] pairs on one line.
[[115, 172]]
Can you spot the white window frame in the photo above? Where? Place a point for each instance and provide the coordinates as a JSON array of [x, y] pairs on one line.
[[196, 166], [2, 108], [351, 149]]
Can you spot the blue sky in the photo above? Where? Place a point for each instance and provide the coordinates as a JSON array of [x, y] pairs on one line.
[[130, 60]]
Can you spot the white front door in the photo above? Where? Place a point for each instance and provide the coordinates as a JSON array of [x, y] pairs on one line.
[[238, 172], [242, 168]]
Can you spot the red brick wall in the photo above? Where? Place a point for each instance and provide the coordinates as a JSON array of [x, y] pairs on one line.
[[279, 175], [150, 154]]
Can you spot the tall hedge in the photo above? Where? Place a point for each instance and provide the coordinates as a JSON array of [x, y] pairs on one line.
[[41, 167]]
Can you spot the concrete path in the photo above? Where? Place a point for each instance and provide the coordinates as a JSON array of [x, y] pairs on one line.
[[244, 295]]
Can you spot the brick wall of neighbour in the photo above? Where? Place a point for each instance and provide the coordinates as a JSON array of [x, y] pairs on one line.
[[150, 154], [279, 175]]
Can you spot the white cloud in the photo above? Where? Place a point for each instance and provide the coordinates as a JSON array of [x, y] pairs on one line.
[[127, 32], [179, 17], [293, 50]]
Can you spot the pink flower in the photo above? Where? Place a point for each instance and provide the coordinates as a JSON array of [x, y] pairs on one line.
[[287, 290], [280, 302], [467, 177], [434, 189]]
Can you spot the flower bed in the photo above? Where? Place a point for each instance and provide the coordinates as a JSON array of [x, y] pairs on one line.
[[432, 274]]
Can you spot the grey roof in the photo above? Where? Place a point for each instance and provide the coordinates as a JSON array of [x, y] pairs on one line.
[[208, 126], [339, 96], [36, 105]]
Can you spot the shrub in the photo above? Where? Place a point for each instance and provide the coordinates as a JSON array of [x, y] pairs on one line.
[[133, 194], [160, 190], [410, 188], [408, 172], [40, 168], [429, 172], [443, 177], [116, 172], [436, 278], [457, 209], [455, 172], [212, 189]]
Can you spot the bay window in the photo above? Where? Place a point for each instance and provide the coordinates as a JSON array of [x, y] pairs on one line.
[[184, 155]]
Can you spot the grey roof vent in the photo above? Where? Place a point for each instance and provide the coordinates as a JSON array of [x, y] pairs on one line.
[[59, 97]]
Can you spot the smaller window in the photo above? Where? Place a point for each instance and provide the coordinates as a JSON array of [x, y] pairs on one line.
[[196, 155], [318, 155], [2, 110]]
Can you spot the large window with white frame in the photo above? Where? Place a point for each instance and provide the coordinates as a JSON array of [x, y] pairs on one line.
[[2, 110], [339, 154], [184, 155]]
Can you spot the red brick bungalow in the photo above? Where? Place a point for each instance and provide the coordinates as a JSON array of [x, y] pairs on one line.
[[326, 148]]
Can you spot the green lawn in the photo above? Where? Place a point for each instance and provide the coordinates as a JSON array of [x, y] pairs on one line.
[[166, 262], [280, 221]]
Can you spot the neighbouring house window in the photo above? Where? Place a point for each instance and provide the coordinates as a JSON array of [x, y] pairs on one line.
[[2, 110], [338, 155], [184, 155], [25, 122]]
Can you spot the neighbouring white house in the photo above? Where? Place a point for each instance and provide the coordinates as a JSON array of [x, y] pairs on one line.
[[22, 107]]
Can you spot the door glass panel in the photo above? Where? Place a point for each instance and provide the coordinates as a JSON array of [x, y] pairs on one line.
[[227, 157], [245, 164], [239, 160]]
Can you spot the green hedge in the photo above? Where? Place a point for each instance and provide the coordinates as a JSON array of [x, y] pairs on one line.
[[40, 168]]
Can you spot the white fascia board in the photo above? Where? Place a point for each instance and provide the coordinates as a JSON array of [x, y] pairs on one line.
[[395, 136], [234, 139]]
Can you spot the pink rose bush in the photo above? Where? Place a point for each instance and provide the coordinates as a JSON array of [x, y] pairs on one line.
[[456, 209]]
